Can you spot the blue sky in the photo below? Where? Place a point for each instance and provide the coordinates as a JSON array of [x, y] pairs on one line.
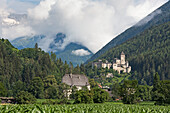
[[31, 1]]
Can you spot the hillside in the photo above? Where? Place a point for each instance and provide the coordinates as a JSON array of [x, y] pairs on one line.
[[159, 16], [23, 65], [32, 70], [147, 53]]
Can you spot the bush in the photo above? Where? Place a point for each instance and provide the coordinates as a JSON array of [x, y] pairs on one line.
[[50, 101], [83, 97], [23, 97], [96, 95], [100, 95]]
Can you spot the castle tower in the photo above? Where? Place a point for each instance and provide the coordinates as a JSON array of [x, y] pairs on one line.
[[122, 58]]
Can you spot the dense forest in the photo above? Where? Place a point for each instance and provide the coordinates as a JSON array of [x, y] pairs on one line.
[[29, 68], [147, 53]]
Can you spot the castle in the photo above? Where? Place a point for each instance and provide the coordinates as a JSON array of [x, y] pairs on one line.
[[120, 65]]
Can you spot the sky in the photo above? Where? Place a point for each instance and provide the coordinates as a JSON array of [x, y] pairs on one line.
[[92, 23]]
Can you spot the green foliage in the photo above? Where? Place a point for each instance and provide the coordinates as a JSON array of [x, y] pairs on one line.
[[145, 92], [51, 92], [129, 92], [36, 87], [100, 95], [63, 91], [3, 91], [17, 87], [50, 81], [24, 97], [115, 90], [95, 95], [160, 91], [92, 83], [83, 97]]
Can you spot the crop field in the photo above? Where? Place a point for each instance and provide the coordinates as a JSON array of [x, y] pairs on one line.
[[84, 108]]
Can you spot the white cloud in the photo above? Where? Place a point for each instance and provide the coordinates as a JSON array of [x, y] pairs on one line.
[[17, 31], [92, 23], [80, 52], [149, 17], [144, 8], [42, 10]]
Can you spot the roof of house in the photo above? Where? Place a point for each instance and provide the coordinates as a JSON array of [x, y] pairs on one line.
[[75, 80]]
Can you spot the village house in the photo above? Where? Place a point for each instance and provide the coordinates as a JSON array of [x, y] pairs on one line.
[[120, 65], [78, 80]]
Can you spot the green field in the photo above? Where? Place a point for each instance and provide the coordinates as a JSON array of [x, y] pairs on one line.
[[85, 108]]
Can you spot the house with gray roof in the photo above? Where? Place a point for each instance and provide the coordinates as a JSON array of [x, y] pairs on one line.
[[78, 80]]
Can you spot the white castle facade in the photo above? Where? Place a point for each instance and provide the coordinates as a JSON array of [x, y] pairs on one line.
[[120, 65]]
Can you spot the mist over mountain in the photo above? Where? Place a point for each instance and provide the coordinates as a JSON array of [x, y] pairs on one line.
[[72, 52], [159, 16]]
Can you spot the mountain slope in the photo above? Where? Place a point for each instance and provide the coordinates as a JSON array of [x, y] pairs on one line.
[[26, 42], [66, 54], [147, 53], [159, 16]]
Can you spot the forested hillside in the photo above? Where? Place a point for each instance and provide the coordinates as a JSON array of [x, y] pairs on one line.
[[19, 69], [159, 16], [147, 53]]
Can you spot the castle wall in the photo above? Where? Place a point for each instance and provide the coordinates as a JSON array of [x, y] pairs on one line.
[[118, 61], [104, 65], [118, 65]]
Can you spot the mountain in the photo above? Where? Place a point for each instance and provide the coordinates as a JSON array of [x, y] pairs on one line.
[[147, 53], [73, 52], [26, 42], [159, 16]]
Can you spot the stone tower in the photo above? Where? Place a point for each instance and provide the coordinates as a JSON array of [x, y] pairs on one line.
[[122, 58]]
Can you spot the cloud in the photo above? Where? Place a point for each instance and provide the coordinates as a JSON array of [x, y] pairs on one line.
[[92, 23], [41, 12], [148, 18], [17, 31], [0, 26], [80, 52], [143, 8]]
